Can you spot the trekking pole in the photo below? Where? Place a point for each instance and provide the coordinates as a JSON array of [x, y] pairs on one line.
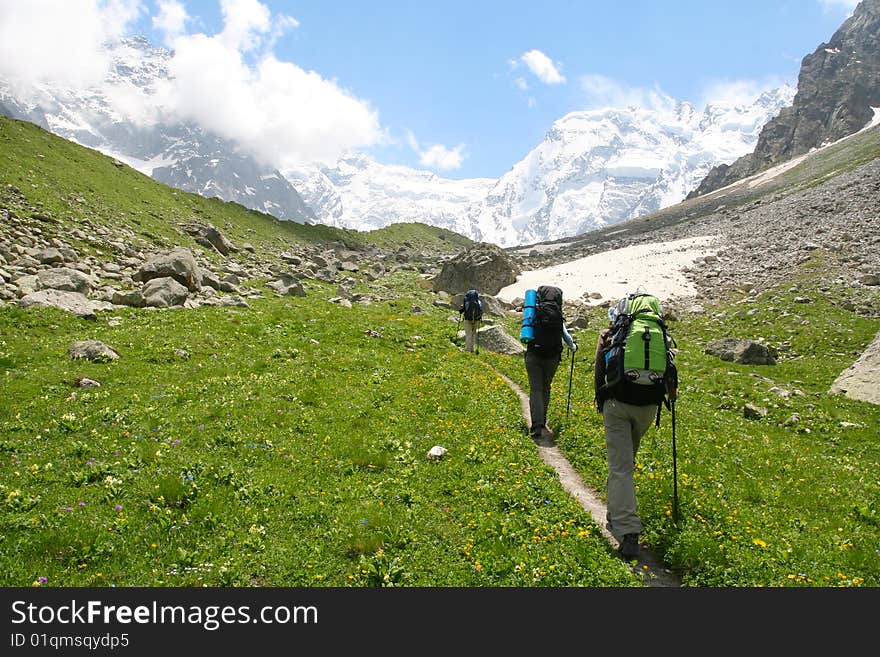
[[674, 470], [570, 376], [477, 337]]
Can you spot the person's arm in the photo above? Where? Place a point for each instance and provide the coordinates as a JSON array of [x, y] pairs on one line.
[[568, 339]]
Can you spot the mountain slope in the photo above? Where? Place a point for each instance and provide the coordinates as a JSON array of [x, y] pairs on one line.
[[43, 174], [838, 85], [822, 206], [180, 154]]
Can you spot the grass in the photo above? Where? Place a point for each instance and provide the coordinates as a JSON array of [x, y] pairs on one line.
[[287, 447], [285, 444]]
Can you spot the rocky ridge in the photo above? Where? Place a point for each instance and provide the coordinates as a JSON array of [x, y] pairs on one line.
[[838, 85]]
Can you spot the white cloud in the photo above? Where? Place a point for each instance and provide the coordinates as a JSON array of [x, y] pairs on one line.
[[834, 5], [244, 22], [60, 42], [230, 83], [601, 92], [171, 19], [278, 112], [275, 110], [437, 156], [282, 24], [441, 157], [542, 67], [737, 92], [521, 84]]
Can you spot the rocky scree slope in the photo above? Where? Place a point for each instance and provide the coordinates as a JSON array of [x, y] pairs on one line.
[[838, 85]]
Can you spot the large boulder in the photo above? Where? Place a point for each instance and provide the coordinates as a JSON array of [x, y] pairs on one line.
[[484, 267], [210, 237], [744, 352], [495, 338], [861, 380], [92, 350], [72, 302], [64, 278], [178, 264], [164, 293], [287, 285]]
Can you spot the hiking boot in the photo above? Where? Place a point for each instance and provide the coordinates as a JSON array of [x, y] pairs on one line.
[[629, 547], [547, 435]]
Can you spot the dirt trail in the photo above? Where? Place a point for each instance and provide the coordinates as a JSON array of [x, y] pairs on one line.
[[653, 571]]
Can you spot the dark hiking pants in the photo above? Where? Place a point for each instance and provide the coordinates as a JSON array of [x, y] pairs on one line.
[[540, 371]]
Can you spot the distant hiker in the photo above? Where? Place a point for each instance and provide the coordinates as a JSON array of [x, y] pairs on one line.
[[632, 378], [472, 311], [543, 354]]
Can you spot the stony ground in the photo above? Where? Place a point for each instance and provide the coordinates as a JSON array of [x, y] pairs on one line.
[[765, 241]]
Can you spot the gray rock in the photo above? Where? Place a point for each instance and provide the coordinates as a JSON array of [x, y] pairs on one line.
[[484, 267], [861, 380], [745, 352], [49, 256], [72, 302], [164, 292], [133, 298], [63, 278], [496, 339], [178, 264], [92, 350], [753, 412]]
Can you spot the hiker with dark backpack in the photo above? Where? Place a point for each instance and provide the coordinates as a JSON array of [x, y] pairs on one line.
[[634, 377], [543, 355], [471, 310]]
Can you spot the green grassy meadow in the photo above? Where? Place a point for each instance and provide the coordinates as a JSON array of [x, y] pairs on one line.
[[286, 443]]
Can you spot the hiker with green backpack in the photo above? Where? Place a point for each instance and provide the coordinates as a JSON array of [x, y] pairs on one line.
[[634, 376]]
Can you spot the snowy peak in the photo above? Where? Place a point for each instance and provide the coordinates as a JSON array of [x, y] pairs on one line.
[[360, 193], [601, 167]]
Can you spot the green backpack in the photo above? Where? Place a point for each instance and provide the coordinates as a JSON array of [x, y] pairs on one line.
[[640, 360]]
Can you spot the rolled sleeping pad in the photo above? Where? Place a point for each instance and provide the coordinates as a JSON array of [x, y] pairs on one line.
[[527, 333]]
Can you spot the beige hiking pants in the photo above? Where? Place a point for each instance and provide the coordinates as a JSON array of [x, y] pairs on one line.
[[625, 424], [470, 334]]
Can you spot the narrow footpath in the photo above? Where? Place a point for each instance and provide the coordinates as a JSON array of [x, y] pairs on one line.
[[652, 570]]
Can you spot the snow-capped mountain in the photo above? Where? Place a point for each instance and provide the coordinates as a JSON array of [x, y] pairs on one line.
[[593, 168], [602, 167], [360, 193]]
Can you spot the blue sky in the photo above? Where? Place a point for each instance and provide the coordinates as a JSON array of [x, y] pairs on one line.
[[465, 89]]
